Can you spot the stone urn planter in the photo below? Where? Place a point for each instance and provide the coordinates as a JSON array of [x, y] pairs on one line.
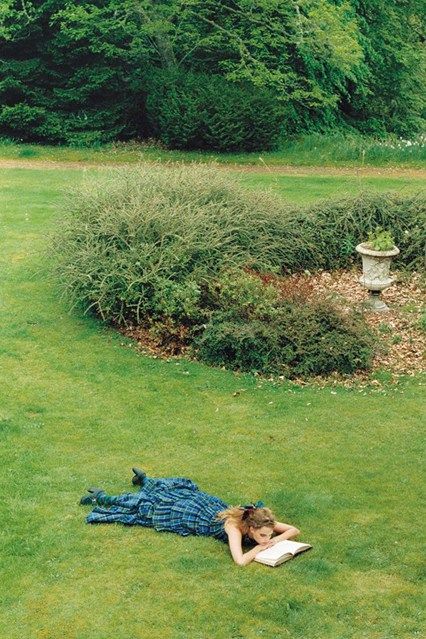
[[375, 274]]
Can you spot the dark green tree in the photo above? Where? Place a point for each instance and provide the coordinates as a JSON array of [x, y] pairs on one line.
[[71, 73]]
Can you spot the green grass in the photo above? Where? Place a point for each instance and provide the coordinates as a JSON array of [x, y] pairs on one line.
[[79, 406], [310, 150], [313, 187]]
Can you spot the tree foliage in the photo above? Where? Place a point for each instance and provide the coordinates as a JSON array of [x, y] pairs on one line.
[[83, 71], [389, 90]]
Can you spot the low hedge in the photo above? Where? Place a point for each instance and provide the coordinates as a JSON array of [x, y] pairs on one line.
[[324, 235]]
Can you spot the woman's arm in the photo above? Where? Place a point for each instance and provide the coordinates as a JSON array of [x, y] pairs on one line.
[[235, 546], [284, 531]]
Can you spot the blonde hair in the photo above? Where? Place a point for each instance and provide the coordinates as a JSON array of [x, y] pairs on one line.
[[246, 518]]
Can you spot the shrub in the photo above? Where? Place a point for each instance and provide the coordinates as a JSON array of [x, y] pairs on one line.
[[295, 339], [323, 235], [203, 111], [22, 121], [37, 124], [143, 244], [254, 328], [243, 294]]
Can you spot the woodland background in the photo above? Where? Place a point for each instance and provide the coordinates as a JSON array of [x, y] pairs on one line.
[[209, 74]]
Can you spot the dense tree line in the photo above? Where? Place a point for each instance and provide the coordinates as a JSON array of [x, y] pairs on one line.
[[220, 74]]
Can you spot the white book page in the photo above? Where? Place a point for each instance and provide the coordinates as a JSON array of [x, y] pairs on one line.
[[281, 548]]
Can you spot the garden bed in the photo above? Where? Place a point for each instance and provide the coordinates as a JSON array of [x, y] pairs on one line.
[[205, 265], [401, 336]]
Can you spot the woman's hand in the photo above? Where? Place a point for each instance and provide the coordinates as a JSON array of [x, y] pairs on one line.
[[273, 541], [266, 545], [284, 531]]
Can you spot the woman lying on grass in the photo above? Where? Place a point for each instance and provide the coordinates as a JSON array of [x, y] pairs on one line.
[[175, 504]]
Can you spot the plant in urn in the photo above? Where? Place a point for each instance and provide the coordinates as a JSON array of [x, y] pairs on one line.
[[377, 254]]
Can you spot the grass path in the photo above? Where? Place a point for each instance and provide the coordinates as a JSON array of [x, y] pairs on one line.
[[79, 406]]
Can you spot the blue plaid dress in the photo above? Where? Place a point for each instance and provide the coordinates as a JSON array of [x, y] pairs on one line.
[[174, 504]]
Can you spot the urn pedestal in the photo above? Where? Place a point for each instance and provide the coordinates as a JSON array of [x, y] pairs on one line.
[[376, 274]]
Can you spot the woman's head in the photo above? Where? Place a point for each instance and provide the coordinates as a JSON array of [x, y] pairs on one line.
[[257, 523]]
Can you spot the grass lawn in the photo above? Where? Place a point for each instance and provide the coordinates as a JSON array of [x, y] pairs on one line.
[[79, 406], [309, 188]]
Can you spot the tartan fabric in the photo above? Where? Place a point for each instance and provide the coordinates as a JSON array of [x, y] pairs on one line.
[[173, 504]]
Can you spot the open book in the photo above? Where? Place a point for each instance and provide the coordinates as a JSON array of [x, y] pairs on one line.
[[281, 552]]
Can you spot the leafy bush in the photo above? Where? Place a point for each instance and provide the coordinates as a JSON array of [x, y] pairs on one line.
[[22, 121], [204, 111], [323, 235], [144, 243], [35, 124], [255, 330]]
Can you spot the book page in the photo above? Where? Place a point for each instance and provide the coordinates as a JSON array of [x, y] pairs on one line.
[[280, 549]]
